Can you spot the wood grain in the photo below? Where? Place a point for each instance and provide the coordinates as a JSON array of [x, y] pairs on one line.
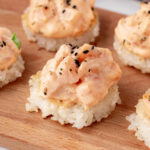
[[20, 130]]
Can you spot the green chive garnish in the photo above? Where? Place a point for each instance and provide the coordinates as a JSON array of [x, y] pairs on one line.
[[16, 40]]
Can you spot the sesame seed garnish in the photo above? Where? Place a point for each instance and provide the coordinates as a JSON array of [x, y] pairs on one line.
[[124, 41], [68, 2], [70, 44], [72, 51], [70, 70], [60, 73], [46, 7], [77, 62], [76, 54], [92, 48], [74, 6], [4, 43], [92, 8], [86, 51], [63, 11], [149, 12], [75, 47], [45, 91], [89, 70]]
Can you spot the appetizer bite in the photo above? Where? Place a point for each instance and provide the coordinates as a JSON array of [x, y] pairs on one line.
[[140, 121], [132, 39], [11, 62], [52, 23], [78, 86]]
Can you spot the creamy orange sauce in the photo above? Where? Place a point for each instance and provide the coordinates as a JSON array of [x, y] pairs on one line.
[[60, 18], [79, 75], [134, 31], [146, 101], [8, 50]]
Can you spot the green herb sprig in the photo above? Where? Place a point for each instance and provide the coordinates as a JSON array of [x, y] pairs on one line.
[[16, 40]]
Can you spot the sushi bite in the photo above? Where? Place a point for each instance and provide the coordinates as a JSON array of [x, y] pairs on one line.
[[140, 121], [52, 23], [78, 86], [132, 39], [11, 62]]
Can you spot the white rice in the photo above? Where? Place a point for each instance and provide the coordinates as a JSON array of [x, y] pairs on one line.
[[75, 115], [131, 59], [140, 123], [12, 73], [53, 44]]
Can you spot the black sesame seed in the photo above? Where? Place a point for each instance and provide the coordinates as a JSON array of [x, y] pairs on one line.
[[76, 54], [70, 70], [124, 41], [4, 43], [68, 2], [92, 48], [86, 51], [77, 62], [60, 73], [146, 2], [46, 7], [149, 12], [74, 47], [70, 44], [89, 70], [63, 11], [72, 51], [74, 6], [92, 8], [85, 60], [45, 91]]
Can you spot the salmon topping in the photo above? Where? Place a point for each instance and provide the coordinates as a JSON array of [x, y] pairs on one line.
[[134, 31], [8, 49], [146, 101], [60, 18], [79, 75]]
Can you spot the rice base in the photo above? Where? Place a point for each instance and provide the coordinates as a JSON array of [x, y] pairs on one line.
[[76, 114], [140, 123], [131, 59], [12, 73], [53, 44]]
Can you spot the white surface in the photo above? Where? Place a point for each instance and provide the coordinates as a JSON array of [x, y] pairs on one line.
[[127, 7], [1, 148]]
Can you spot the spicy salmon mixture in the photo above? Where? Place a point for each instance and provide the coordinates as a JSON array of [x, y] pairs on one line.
[[9, 49], [79, 75], [60, 18], [134, 31]]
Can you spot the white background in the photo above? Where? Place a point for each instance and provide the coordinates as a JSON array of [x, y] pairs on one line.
[[127, 7]]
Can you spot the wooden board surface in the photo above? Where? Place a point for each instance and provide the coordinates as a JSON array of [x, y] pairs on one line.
[[20, 130]]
